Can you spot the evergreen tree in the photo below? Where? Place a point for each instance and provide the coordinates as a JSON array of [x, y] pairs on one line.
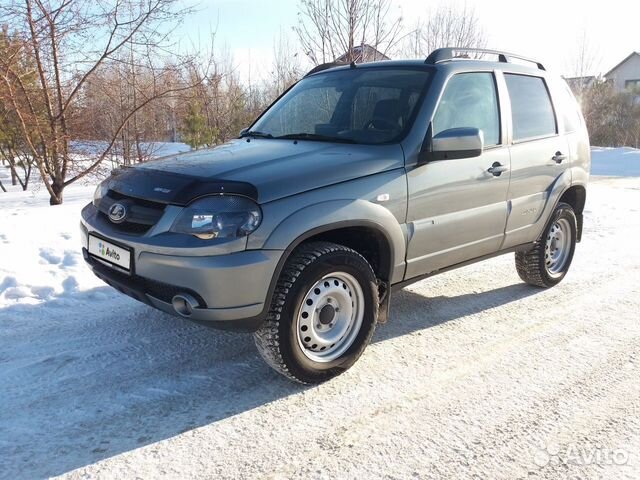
[[195, 131]]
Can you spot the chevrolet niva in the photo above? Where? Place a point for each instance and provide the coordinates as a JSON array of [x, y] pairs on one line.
[[357, 181]]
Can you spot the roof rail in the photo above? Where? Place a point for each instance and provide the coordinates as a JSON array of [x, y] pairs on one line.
[[325, 66], [450, 53]]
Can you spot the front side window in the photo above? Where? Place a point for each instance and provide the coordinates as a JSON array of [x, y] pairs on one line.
[[367, 105], [531, 108], [470, 100]]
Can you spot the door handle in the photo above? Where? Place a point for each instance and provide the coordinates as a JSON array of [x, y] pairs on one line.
[[497, 169], [558, 157]]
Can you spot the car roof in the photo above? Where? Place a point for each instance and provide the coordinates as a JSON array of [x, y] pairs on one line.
[[451, 65]]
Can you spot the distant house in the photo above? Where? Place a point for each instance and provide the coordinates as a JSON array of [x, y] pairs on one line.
[[362, 54], [626, 75]]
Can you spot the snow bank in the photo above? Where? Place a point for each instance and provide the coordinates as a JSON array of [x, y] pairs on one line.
[[615, 162], [40, 256]]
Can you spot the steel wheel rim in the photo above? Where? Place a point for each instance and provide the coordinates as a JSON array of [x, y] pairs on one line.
[[330, 316], [557, 247]]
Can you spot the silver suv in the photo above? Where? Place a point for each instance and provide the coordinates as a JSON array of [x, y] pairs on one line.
[[357, 181]]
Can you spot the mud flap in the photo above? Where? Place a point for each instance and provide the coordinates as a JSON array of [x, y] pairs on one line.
[[579, 220], [385, 297]]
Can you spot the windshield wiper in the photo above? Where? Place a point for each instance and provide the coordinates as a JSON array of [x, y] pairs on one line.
[[256, 134], [317, 137]]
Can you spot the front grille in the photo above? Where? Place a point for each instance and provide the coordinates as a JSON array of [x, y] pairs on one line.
[[141, 214], [132, 228], [140, 201]]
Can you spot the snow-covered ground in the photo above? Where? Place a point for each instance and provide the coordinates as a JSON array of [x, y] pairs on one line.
[[475, 373]]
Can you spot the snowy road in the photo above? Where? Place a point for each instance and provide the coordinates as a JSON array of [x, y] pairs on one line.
[[475, 374]]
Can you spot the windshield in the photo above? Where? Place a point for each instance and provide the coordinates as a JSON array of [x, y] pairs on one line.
[[370, 105]]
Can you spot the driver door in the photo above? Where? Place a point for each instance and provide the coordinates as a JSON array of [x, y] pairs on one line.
[[457, 208]]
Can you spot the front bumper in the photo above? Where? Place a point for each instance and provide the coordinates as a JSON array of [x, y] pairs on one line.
[[232, 290]]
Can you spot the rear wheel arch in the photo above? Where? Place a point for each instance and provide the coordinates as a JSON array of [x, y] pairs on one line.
[[576, 197]]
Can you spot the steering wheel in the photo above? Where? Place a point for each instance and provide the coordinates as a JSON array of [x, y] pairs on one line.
[[381, 121]]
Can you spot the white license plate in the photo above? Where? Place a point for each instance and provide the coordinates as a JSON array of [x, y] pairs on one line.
[[109, 252]]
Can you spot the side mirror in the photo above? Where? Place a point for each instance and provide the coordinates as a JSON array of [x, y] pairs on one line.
[[456, 143]]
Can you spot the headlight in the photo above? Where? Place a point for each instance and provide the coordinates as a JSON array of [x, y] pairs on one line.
[[101, 191], [219, 216]]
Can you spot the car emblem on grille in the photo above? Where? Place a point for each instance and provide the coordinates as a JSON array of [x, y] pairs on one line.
[[117, 213]]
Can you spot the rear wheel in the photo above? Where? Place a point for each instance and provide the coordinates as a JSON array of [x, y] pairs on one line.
[[548, 262], [323, 313]]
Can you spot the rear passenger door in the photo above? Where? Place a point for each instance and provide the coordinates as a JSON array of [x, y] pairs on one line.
[[539, 155]]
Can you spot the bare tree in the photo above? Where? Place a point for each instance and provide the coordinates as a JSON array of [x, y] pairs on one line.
[[70, 42], [612, 118], [583, 65], [286, 68], [329, 29], [585, 59], [446, 26], [16, 155], [117, 89]]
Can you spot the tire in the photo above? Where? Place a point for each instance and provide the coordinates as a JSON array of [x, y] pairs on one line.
[[548, 262], [323, 313]]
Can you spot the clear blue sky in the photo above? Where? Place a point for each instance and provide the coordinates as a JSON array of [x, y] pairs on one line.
[[546, 29]]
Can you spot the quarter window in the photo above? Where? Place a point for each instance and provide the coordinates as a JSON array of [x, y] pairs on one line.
[[470, 100], [570, 109], [531, 107]]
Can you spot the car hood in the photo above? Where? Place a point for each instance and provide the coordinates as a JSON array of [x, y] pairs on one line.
[[274, 168]]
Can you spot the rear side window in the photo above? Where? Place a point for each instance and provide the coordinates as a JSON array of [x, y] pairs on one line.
[[530, 106], [470, 100]]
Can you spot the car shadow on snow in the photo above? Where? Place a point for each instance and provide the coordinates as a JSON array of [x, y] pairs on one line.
[[116, 375]]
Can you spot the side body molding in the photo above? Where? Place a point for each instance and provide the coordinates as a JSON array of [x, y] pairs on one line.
[[334, 214]]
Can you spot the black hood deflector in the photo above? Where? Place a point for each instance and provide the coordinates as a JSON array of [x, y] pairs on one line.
[[173, 188]]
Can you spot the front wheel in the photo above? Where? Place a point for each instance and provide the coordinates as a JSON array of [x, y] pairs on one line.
[[323, 313], [548, 262]]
